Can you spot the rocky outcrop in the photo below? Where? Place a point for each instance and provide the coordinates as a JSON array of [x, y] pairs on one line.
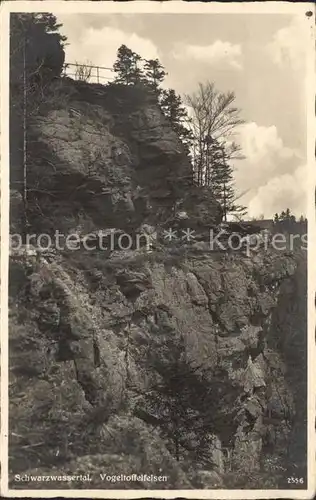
[[102, 157], [87, 325], [96, 340]]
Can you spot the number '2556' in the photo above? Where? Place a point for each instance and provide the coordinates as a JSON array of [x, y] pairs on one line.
[[295, 480]]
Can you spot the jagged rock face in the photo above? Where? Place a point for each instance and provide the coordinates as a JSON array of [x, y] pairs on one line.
[[83, 322], [288, 335], [103, 157], [93, 330]]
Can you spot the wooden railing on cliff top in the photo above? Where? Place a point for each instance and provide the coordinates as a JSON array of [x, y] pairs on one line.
[[88, 72]]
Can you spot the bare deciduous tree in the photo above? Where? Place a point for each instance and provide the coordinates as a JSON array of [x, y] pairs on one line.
[[213, 111], [213, 117], [83, 72]]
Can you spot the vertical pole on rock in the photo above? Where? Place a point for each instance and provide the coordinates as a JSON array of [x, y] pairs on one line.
[[24, 189], [98, 74]]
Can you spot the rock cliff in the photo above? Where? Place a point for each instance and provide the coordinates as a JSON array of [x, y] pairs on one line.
[[104, 156], [84, 324]]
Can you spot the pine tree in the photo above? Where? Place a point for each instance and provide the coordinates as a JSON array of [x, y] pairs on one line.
[[286, 216], [154, 74], [36, 45], [175, 112], [179, 401], [286, 220], [212, 158], [218, 175], [282, 215], [127, 66]]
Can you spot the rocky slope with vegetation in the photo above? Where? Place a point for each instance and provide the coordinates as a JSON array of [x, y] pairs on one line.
[[175, 361], [106, 157]]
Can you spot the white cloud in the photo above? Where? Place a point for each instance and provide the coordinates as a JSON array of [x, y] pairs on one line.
[[99, 46], [279, 193], [289, 45], [266, 155], [270, 167], [218, 52]]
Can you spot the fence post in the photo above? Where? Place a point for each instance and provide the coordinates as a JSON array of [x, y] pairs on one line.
[[98, 74]]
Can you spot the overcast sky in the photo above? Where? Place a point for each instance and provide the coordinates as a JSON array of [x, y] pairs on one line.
[[259, 57]]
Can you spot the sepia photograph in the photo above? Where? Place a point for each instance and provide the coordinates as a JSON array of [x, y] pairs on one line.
[[157, 223]]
